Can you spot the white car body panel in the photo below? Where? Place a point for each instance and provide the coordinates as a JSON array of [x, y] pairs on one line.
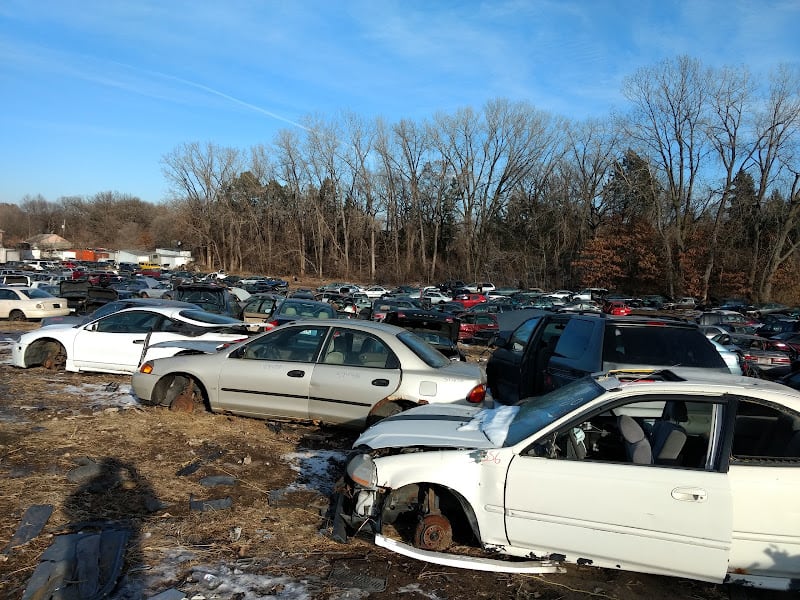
[[765, 541], [672, 522]]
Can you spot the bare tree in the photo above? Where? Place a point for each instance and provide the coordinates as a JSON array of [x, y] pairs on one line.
[[668, 123], [199, 177]]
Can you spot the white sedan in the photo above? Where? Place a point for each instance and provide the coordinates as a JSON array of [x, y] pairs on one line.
[[376, 291], [117, 343], [348, 373], [22, 303], [670, 473]]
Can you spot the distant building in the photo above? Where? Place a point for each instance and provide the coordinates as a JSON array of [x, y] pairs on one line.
[[43, 246]]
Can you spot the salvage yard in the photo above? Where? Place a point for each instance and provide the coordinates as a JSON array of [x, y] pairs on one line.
[[218, 506]]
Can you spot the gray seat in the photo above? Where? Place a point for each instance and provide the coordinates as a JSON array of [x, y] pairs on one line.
[[668, 437], [637, 446]]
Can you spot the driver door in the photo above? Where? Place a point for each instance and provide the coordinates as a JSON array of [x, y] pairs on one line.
[[607, 512]]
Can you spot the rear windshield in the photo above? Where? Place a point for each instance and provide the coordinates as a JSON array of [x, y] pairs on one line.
[[208, 317], [661, 346], [429, 354]]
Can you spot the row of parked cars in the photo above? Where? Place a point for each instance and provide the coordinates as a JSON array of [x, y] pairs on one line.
[[616, 441]]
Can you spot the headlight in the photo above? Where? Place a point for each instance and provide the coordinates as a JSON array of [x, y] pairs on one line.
[[362, 471]]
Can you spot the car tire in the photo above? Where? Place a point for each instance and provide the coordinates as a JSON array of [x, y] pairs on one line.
[[17, 315]]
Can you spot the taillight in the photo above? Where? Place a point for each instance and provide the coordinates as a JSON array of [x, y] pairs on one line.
[[477, 394], [146, 368]]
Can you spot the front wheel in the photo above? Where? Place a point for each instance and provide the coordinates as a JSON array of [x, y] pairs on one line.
[[433, 533], [55, 358], [17, 315]]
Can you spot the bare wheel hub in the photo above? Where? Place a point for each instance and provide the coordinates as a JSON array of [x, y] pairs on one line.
[[434, 533], [184, 402]]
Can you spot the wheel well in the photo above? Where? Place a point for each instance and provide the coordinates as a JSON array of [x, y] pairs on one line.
[[171, 385], [387, 407], [38, 351], [404, 506]]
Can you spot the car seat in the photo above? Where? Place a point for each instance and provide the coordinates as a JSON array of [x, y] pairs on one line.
[[668, 436], [637, 446], [290, 311]]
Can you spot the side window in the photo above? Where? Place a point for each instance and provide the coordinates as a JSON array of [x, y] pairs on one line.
[[8, 295], [292, 344], [521, 336], [129, 322], [762, 432], [660, 431]]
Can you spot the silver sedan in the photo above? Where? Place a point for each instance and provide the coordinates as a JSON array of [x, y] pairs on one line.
[[349, 373]]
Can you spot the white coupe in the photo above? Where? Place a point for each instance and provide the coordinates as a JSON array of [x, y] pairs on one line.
[[119, 342]]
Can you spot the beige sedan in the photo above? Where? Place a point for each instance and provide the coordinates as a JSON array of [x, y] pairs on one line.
[[349, 373]]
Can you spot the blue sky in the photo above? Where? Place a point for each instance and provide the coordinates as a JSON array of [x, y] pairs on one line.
[[93, 93]]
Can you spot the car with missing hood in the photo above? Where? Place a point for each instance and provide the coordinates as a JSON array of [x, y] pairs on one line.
[[349, 373], [687, 474]]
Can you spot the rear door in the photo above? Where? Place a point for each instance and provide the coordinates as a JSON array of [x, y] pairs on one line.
[[345, 392]]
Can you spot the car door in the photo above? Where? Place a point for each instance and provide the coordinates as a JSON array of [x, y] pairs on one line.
[[765, 480], [597, 507], [516, 369], [345, 392], [270, 376], [114, 343]]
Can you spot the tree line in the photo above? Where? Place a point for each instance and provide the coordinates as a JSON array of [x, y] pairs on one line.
[[693, 189]]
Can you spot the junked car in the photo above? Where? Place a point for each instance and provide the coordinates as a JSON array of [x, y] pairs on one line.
[[23, 303], [689, 475], [349, 373], [119, 342]]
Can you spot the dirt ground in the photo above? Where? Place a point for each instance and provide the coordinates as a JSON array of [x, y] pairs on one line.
[[275, 532]]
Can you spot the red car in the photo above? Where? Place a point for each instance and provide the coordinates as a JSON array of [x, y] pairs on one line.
[[470, 300], [617, 308], [477, 327]]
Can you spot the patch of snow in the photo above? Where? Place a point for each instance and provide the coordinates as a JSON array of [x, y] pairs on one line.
[[318, 469], [494, 422]]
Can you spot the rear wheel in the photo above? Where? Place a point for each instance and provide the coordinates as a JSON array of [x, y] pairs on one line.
[[17, 315]]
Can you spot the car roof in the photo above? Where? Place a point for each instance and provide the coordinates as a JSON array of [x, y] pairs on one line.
[[699, 381], [364, 325]]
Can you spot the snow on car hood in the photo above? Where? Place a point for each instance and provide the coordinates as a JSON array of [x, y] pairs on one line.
[[441, 426]]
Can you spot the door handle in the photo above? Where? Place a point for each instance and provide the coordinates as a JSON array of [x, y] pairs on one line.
[[138, 341], [689, 494], [296, 373], [380, 382]]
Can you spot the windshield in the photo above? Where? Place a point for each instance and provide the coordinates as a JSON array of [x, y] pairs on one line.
[[537, 412], [429, 354]]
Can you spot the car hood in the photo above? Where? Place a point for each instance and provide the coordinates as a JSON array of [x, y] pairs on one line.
[[440, 426]]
